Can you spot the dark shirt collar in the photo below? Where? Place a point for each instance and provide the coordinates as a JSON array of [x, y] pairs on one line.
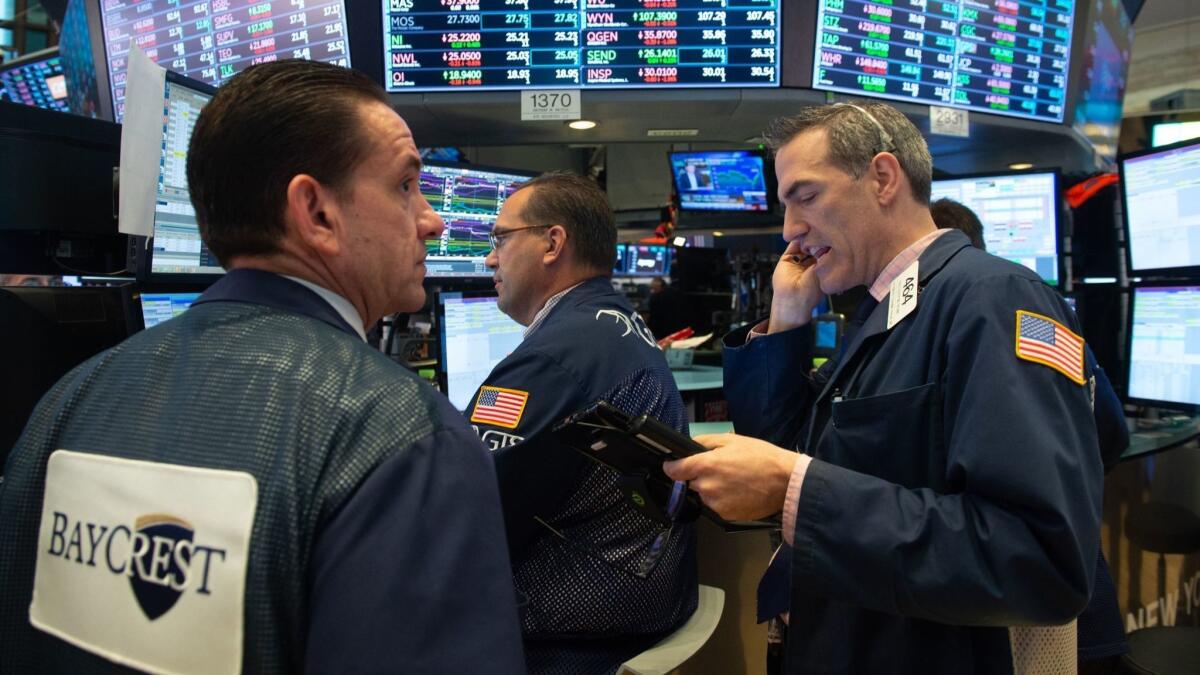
[[277, 292]]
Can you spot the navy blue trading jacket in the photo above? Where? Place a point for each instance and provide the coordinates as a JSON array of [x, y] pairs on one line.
[[956, 488], [577, 570]]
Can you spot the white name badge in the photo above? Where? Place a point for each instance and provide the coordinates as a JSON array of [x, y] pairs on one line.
[[144, 563], [902, 294]]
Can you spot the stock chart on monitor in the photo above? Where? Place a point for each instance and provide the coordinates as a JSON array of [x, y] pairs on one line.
[[1162, 208], [1009, 57], [1164, 347], [731, 180], [213, 40], [515, 44], [468, 200], [177, 245], [1019, 213]]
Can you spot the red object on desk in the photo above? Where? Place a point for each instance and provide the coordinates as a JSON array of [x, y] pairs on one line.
[[677, 335]]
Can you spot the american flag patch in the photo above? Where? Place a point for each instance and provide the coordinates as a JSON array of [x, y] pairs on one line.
[[1043, 340], [499, 407]]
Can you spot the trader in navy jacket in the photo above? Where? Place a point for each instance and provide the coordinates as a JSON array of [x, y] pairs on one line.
[[943, 513], [600, 580]]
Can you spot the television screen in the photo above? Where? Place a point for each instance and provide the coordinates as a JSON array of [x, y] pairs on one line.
[[1161, 191], [476, 336], [1019, 213], [213, 40], [996, 56], [1164, 346], [177, 249], [432, 45], [159, 307], [729, 180], [468, 199], [650, 260], [37, 80]]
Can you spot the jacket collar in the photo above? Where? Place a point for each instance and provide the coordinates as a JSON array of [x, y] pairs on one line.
[[277, 292]]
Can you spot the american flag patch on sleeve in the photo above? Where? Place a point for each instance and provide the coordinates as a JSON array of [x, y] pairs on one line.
[[1043, 340], [500, 407]]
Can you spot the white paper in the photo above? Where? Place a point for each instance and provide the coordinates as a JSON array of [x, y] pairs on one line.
[[141, 144], [902, 296]]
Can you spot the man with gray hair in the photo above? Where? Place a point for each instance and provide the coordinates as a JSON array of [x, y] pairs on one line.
[[942, 514]]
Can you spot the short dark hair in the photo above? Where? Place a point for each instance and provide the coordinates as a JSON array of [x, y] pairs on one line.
[[581, 207], [949, 214], [268, 124], [854, 139]]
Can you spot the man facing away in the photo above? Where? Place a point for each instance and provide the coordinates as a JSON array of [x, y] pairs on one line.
[[942, 514], [249, 486], [599, 581]]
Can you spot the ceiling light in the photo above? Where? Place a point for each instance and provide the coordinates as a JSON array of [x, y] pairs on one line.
[[680, 241], [582, 125], [1020, 166], [718, 233]]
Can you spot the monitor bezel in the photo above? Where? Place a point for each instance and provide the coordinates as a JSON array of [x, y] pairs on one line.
[[1129, 323], [769, 181], [442, 278], [1059, 218], [1185, 272]]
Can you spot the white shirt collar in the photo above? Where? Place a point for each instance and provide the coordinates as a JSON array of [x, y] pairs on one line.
[[341, 305], [550, 303]]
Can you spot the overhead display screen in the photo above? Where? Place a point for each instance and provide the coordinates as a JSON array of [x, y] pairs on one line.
[[731, 180], [39, 83], [432, 45], [468, 199], [1009, 57], [213, 40]]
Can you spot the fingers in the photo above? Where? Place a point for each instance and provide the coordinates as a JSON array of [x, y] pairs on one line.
[[682, 469], [713, 441]]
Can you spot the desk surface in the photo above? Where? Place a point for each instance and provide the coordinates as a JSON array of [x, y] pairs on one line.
[[695, 378], [1149, 441]]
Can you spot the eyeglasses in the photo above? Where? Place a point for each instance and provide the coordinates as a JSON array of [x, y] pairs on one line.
[[497, 237]]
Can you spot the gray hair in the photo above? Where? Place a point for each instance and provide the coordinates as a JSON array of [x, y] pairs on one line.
[[856, 134]]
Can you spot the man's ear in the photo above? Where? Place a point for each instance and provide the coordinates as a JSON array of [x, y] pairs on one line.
[[556, 244], [314, 215], [887, 178]]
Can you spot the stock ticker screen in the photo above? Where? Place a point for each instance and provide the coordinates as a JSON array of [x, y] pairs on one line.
[[40, 83], [1009, 57], [468, 200], [213, 40], [435, 45]]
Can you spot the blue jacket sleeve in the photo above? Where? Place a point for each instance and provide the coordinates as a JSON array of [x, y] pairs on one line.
[[535, 474], [1015, 544], [762, 373], [412, 573], [1110, 416]]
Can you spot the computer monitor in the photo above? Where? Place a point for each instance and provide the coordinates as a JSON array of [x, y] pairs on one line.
[[648, 260], [159, 307], [1168, 133], [726, 180], [1164, 347], [468, 198], [1161, 193], [1019, 212], [47, 332], [37, 80], [476, 336], [619, 268], [176, 252], [213, 41]]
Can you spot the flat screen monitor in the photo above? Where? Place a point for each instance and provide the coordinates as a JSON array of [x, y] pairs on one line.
[[213, 40], [476, 336], [1168, 133], [619, 263], [1161, 193], [177, 253], [1019, 212], [1164, 346], [1103, 63], [159, 307], [468, 198], [648, 260], [37, 80], [996, 56], [727, 180], [440, 45]]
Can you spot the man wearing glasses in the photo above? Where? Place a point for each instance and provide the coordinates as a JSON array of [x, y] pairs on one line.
[[598, 580]]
